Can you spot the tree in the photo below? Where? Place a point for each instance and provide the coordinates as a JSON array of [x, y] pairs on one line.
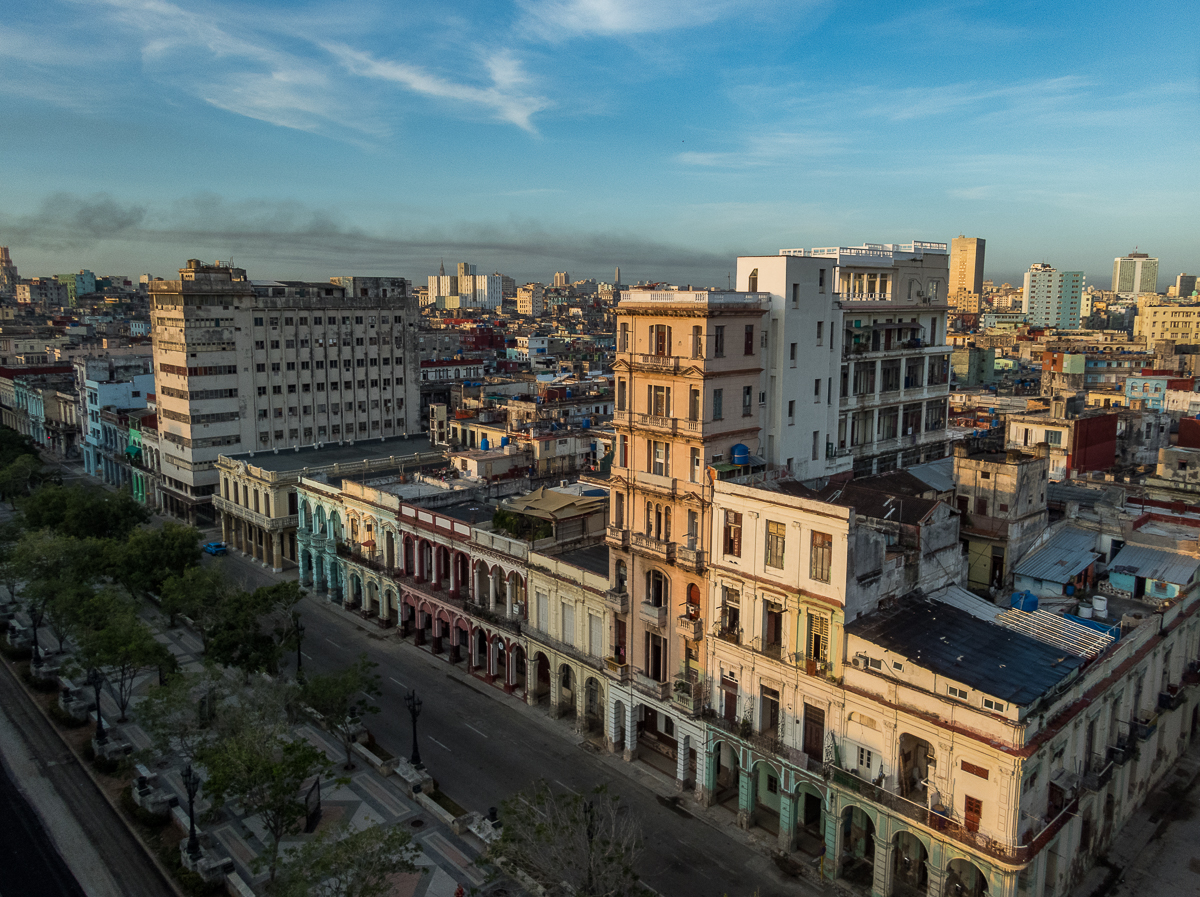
[[199, 593], [251, 629], [341, 862], [19, 476], [149, 555], [180, 713], [343, 698], [50, 564], [122, 645], [571, 843], [66, 609], [10, 535], [83, 511], [264, 772]]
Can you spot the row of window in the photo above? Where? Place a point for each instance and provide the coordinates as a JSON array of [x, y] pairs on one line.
[[318, 320], [334, 431], [335, 409], [319, 364], [661, 344], [820, 546]]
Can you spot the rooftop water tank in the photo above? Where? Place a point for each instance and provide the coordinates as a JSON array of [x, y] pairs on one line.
[[740, 454], [483, 443], [503, 441], [1026, 601]]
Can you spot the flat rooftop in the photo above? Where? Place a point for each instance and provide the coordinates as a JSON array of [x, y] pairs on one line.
[[953, 643], [594, 559], [332, 453]]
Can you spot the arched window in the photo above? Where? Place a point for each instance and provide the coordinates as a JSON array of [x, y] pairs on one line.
[[657, 588]]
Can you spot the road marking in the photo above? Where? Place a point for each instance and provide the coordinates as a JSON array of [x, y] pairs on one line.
[[442, 746], [568, 787], [332, 642], [306, 656], [398, 682], [473, 729]]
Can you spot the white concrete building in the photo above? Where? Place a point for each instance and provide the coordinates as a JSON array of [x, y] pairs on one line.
[[1053, 298]]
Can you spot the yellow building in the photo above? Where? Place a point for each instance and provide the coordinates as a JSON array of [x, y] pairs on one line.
[[1158, 320]]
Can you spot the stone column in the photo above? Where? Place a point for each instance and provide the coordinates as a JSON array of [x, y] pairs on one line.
[[936, 862], [706, 776], [631, 742], [581, 709], [681, 762], [787, 821], [746, 799], [318, 572], [531, 685], [277, 552], [881, 879], [555, 694], [225, 527], [509, 588], [491, 591]]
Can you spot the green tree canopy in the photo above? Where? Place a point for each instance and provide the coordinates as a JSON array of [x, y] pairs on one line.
[[180, 714], [150, 555], [343, 698], [121, 645], [83, 511], [341, 862]]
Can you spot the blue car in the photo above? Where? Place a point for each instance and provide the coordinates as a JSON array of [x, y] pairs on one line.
[[215, 547]]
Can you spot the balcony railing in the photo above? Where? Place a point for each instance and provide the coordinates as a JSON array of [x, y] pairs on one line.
[[689, 690], [664, 551], [940, 820], [1171, 699], [271, 524], [653, 615], [813, 666], [618, 536], [773, 650], [689, 558], [769, 742], [617, 668], [691, 628], [650, 686], [658, 422], [618, 600], [662, 362], [729, 634], [1145, 726]]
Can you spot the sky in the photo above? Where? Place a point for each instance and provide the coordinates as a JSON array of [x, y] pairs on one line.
[[304, 140]]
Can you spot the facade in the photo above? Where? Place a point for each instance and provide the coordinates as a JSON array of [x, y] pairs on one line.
[[531, 300], [121, 382], [1001, 498], [1053, 298], [1075, 444], [274, 365], [1168, 321], [8, 273], [966, 273], [857, 369], [1185, 285], [1135, 273], [688, 370]]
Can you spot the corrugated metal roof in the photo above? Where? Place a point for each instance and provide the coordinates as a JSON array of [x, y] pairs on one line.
[[938, 474], [1155, 563], [1060, 632], [1068, 551], [957, 596]]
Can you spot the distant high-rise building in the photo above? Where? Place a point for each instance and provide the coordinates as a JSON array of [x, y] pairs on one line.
[[466, 289], [1053, 298], [561, 279], [530, 300], [617, 276], [966, 265], [8, 273], [1135, 273], [1185, 285]]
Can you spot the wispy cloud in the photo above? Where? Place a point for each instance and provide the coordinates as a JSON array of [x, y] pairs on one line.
[[761, 150], [507, 95], [557, 20]]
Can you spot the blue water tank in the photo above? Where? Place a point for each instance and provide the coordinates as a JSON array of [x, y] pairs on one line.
[[1026, 601], [740, 454], [503, 441], [587, 422], [568, 392], [483, 443]]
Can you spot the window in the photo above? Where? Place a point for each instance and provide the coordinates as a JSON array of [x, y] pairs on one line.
[[1054, 437], [792, 354], [864, 759], [693, 467], [660, 339], [956, 692], [747, 401], [821, 280], [974, 770], [621, 395], [660, 459], [989, 704], [697, 341], [748, 349], [816, 447], [791, 412], [733, 534], [719, 341], [820, 556], [718, 404], [795, 295], [820, 328], [659, 400], [776, 536], [817, 390]]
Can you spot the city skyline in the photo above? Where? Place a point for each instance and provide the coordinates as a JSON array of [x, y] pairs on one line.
[[666, 138]]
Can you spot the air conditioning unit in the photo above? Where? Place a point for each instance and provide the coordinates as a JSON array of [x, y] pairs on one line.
[[860, 661]]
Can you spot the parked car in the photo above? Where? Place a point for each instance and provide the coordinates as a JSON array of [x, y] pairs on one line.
[[215, 547]]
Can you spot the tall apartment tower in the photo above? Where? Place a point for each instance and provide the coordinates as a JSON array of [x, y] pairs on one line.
[[856, 363], [1053, 298], [1135, 273], [561, 279], [966, 272], [688, 368], [273, 365], [8, 273]]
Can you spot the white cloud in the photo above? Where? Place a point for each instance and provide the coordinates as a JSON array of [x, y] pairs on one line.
[[766, 149], [506, 97]]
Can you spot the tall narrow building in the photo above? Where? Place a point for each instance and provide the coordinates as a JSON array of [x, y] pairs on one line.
[[688, 368], [1053, 298], [966, 273], [856, 363], [271, 365], [8, 273]]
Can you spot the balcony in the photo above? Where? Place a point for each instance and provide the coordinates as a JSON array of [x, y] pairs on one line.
[[689, 558], [813, 666], [691, 628], [1120, 753], [729, 634], [617, 668], [651, 615], [262, 521], [769, 741], [665, 363], [617, 536], [648, 686], [657, 422], [774, 650], [1171, 699], [688, 691], [1146, 726], [664, 551], [655, 481], [1097, 777], [617, 600]]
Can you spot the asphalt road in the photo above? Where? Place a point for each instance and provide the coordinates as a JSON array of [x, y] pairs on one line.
[[29, 864], [483, 745]]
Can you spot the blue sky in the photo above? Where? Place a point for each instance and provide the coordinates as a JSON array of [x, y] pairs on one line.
[[664, 136]]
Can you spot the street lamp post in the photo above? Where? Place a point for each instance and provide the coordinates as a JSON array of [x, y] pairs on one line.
[[191, 783], [298, 625], [414, 710], [95, 679]]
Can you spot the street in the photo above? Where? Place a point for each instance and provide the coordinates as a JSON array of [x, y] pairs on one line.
[[483, 745]]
